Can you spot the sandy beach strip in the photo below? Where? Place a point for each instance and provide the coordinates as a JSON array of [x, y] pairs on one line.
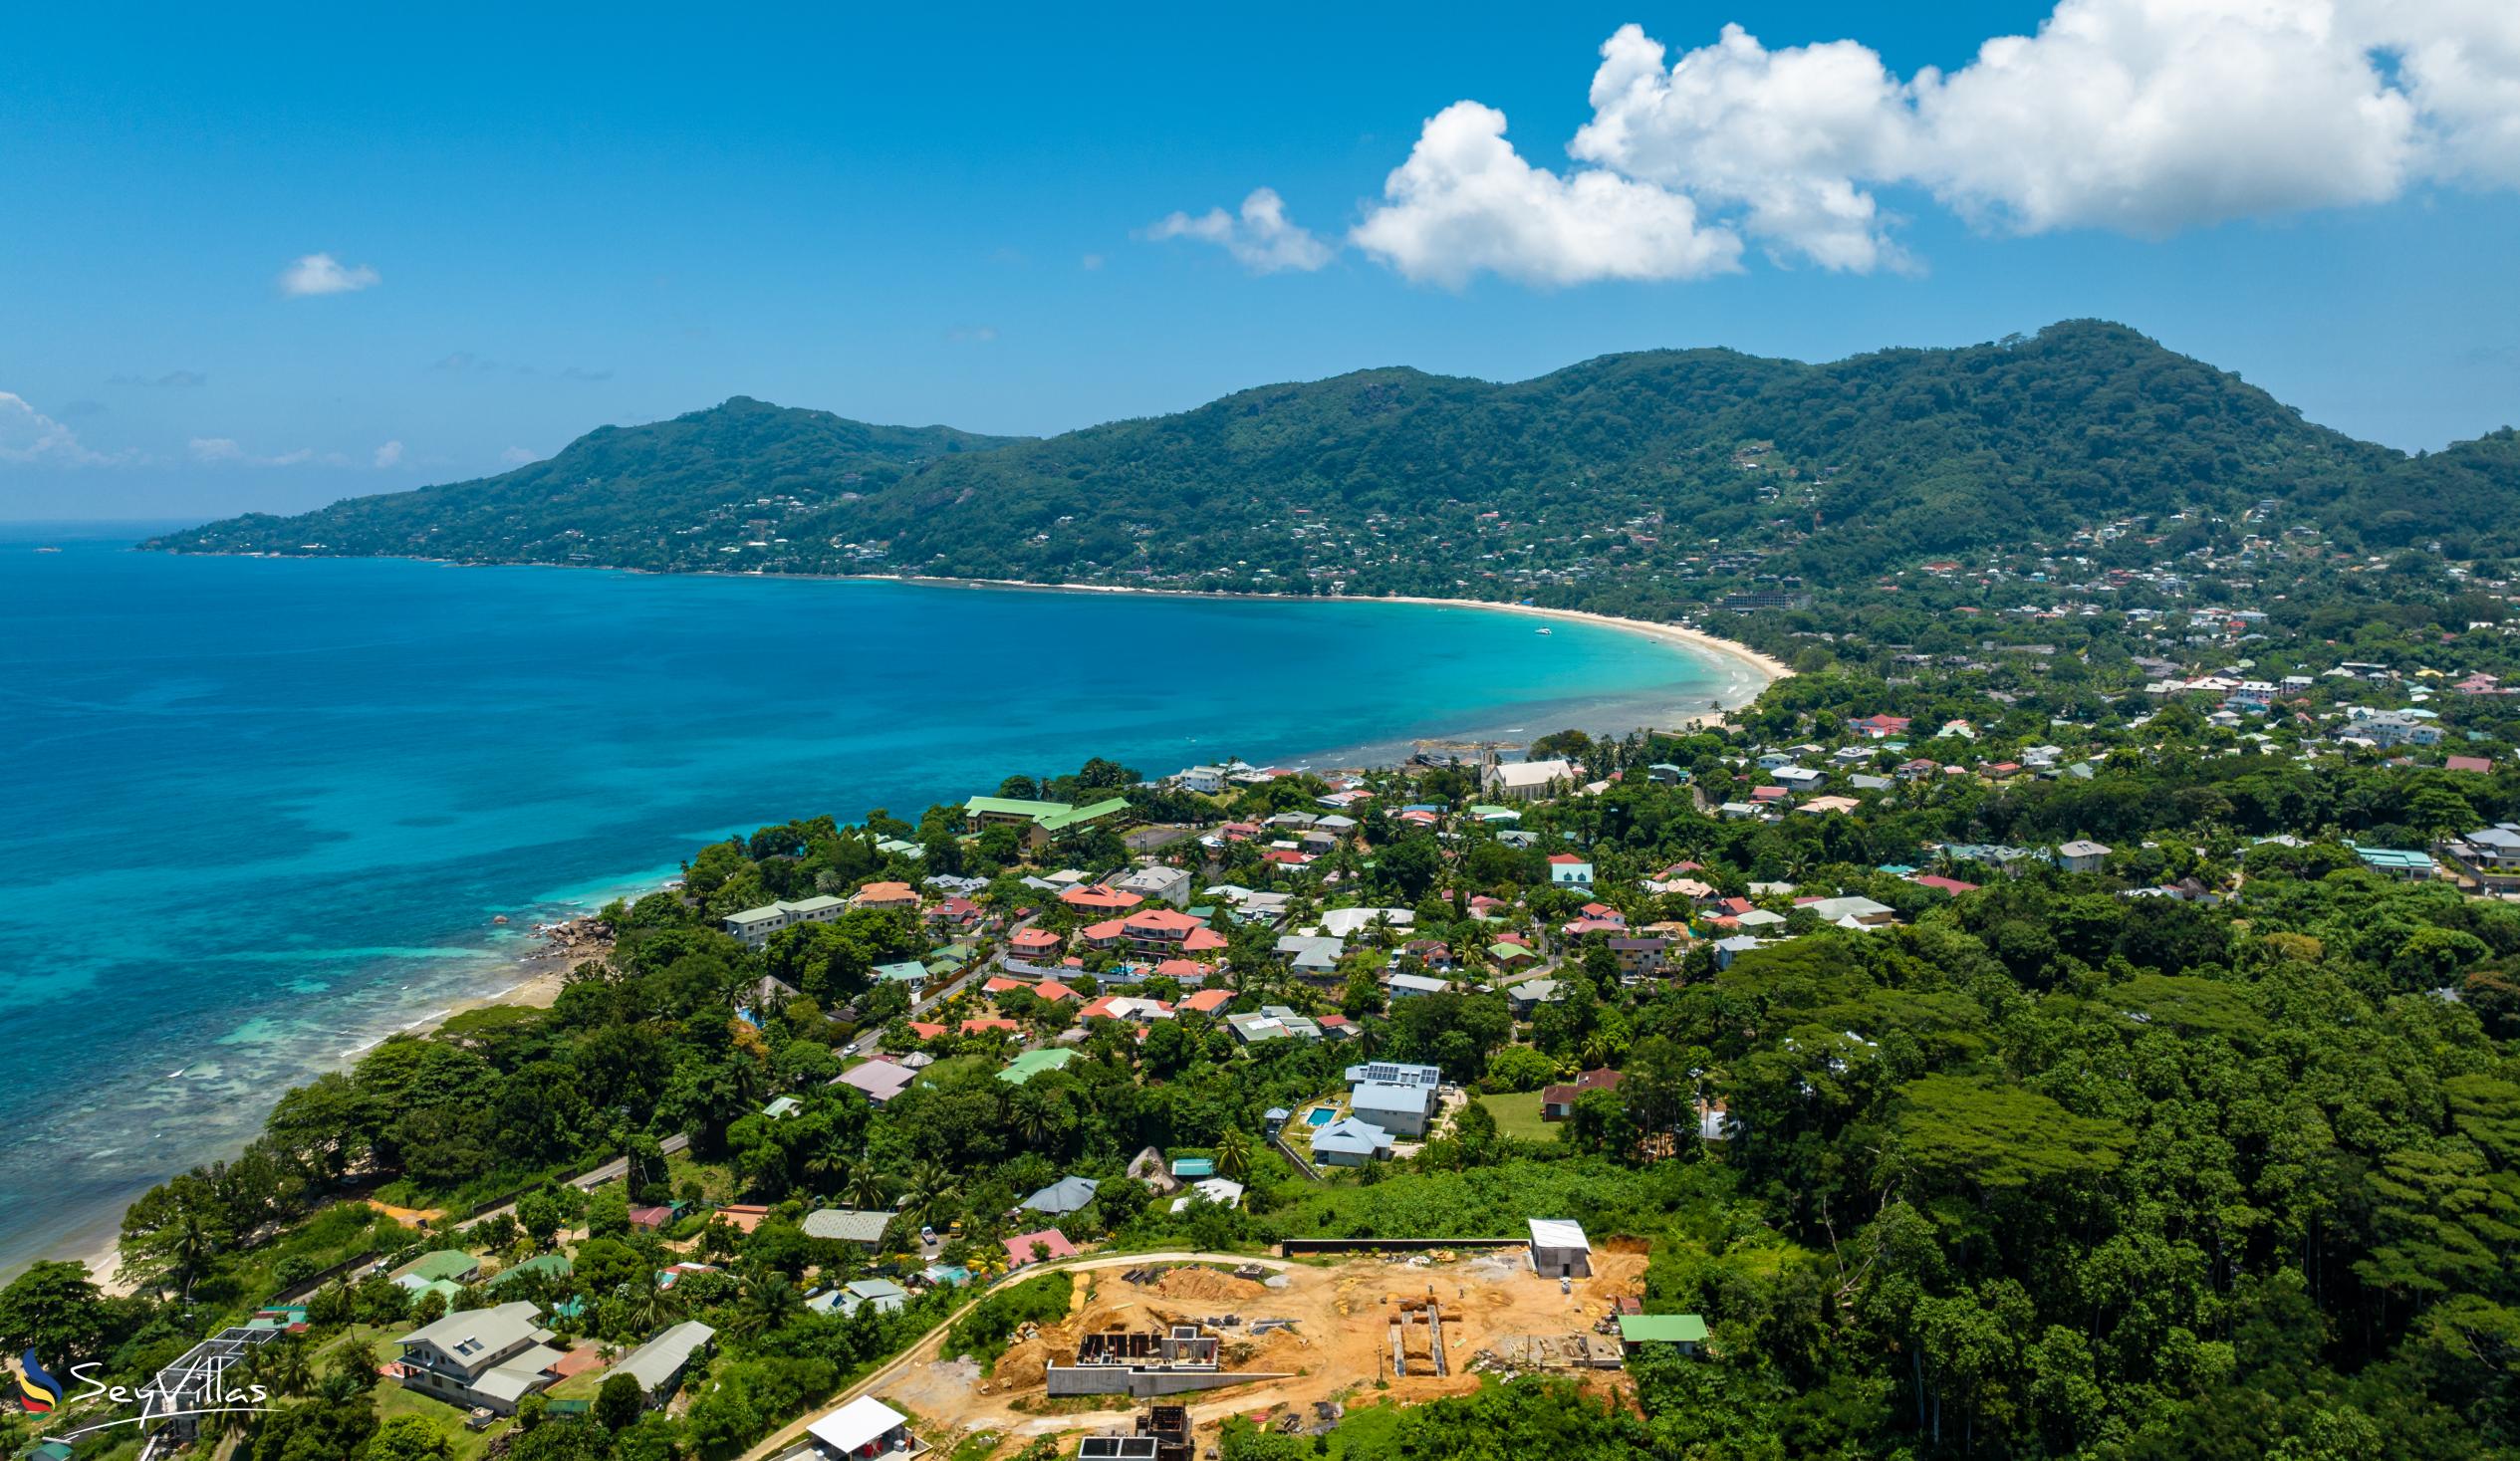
[[1765, 669]]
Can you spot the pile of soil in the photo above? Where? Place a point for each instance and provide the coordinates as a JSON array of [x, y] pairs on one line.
[[1207, 1286]]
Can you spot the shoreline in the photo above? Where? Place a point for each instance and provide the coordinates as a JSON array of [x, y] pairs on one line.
[[565, 944]]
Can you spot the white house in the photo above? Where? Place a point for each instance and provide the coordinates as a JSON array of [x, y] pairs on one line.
[[1350, 1142], [755, 925], [1529, 780], [488, 1358], [2081, 856], [1157, 884]]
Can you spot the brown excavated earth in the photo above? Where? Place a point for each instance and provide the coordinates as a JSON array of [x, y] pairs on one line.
[[1338, 1350]]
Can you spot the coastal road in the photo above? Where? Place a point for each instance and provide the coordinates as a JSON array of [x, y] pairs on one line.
[[927, 1346]]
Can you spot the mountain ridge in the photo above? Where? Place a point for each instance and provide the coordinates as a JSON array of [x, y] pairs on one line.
[[1617, 469]]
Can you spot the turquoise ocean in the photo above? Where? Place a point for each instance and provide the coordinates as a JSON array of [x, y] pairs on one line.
[[256, 814]]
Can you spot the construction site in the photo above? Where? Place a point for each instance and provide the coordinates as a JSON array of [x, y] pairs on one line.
[[1289, 1347]]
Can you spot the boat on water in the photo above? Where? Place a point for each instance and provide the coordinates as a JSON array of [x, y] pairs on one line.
[[1540, 632]]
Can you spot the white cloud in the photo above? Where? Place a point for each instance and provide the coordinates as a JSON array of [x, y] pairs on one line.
[[2140, 117], [388, 456], [2151, 116], [1465, 202], [218, 451], [323, 274], [517, 456], [1090, 261], [1260, 237], [29, 437]]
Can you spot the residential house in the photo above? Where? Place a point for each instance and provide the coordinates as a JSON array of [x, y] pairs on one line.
[[1272, 1022], [2081, 856], [486, 1359], [1039, 1247], [2406, 866], [1350, 1142], [755, 925], [1566, 870], [1639, 957], [1556, 1102], [847, 1225], [881, 1080], [1157, 883], [1306, 956], [1400, 1106], [658, 1366], [884, 895], [1855, 909], [1068, 1194]]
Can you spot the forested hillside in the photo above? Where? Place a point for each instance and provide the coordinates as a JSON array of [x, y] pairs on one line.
[[1680, 474]]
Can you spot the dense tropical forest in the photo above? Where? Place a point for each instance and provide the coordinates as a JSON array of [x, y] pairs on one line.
[[1678, 475]]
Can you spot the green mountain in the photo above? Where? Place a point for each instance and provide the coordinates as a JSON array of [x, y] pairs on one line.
[[1679, 473]]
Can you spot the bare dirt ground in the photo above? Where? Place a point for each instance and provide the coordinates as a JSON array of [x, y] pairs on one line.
[[1337, 1351]]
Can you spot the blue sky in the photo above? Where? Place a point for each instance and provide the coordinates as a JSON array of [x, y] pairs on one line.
[[526, 228]]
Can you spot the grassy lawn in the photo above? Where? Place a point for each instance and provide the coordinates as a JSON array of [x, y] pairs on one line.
[[1518, 1116], [463, 1445]]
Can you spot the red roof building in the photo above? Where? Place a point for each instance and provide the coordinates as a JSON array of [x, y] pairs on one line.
[[1049, 1242], [1096, 897]]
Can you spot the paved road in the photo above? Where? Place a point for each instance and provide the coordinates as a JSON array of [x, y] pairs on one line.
[[927, 1345]]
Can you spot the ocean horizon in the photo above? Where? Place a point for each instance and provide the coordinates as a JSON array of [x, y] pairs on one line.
[[267, 810]]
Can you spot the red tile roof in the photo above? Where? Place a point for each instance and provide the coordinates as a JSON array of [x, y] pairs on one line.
[[1096, 897]]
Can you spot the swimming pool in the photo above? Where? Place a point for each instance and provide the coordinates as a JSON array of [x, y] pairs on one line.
[[1320, 1115]]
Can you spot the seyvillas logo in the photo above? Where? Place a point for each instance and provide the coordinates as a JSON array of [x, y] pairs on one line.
[[38, 1392], [194, 1385]]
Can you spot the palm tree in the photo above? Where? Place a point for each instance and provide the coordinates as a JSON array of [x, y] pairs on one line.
[[932, 1188], [1233, 1154], [865, 1188], [769, 1301], [282, 1365], [1032, 1116], [645, 1306]]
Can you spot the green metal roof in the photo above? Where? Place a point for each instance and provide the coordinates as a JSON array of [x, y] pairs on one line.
[[1067, 816], [1032, 1062], [1662, 1329], [555, 1264], [445, 1263], [1012, 806]]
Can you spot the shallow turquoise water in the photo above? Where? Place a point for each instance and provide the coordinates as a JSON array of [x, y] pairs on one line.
[[259, 814]]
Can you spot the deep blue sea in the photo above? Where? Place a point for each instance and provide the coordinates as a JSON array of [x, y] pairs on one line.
[[256, 814]]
